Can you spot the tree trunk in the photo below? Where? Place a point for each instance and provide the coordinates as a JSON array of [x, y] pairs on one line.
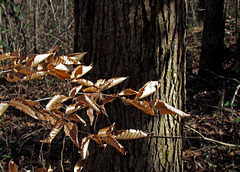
[[145, 41], [213, 36]]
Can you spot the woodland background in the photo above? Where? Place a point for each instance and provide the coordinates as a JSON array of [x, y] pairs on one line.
[[37, 26]]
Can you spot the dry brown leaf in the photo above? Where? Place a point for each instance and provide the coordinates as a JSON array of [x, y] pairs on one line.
[[8, 56], [142, 105], [127, 92], [80, 71], [79, 165], [149, 88], [34, 61], [90, 115], [58, 126], [75, 117], [73, 92], [58, 113], [23, 107], [3, 108], [63, 67], [130, 134], [77, 56], [109, 98], [86, 100], [64, 60], [56, 100], [84, 147], [104, 132], [165, 108], [71, 130], [34, 75], [15, 78], [114, 143], [74, 107], [12, 167], [83, 82], [41, 170], [58, 73], [91, 89], [111, 83]]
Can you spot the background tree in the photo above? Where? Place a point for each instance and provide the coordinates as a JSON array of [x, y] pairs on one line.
[[212, 51], [145, 41]]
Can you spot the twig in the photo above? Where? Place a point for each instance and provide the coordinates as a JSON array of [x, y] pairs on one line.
[[169, 137], [235, 93], [63, 152], [1, 167], [5, 71], [206, 138]]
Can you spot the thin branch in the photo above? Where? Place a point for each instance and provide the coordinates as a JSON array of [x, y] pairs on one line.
[[235, 93], [62, 152], [206, 138], [169, 137]]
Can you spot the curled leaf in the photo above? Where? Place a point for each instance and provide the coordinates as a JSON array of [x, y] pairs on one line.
[[143, 105], [54, 101], [3, 108], [74, 107], [71, 130], [86, 100], [75, 90], [75, 117], [83, 82], [80, 71], [165, 108], [149, 88], [111, 83], [58, 126], [130, 134]]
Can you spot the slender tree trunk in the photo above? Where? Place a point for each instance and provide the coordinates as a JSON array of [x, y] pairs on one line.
[[213, 36], [145, 41]]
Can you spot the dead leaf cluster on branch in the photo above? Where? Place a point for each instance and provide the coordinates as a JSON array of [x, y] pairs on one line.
[[91, 98]]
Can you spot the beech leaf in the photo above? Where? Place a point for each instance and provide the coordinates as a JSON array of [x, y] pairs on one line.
[[130, 134], [55, 100], [142, 105], [83, 82], [34, 75], [149, 88], [74, 107], [112, 82], [114, 143], [86, 100], [58, 126], [80, 71], [3, 108], [12, 167], [127, 92], [75, 117], [104, 132], [165, 108], [75, 90], [84, 147], [23, 107], [71, 130]]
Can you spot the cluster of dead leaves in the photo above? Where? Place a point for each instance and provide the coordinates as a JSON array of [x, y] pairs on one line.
[[91, 97]]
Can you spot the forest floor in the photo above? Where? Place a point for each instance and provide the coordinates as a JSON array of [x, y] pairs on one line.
[[213, 104]]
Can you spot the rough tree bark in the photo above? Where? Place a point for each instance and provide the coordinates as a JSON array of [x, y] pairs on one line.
[[213, 37], [145, 41]]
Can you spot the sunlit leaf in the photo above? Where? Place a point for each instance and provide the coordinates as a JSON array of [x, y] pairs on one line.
[[58, 113], [109, 98], [86, 100], [14, 79], [64, 67], [74, 107], [79, 165], [149, 88], [77, 56], [104, 132], [34, 61], [59, 124], [90, 115], [130, 134], [165, 108], [34, 75], [114, 143], [3, 108], [58, 73], [55, 100], [75, 117], [71, 130], [23, 107], [12, 167], [83, 82], [64, 60], [80, 71], [84, 147], [99, 83], [91, 90], [112, 82], [75, 90], [142, 105], [127, 92]]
